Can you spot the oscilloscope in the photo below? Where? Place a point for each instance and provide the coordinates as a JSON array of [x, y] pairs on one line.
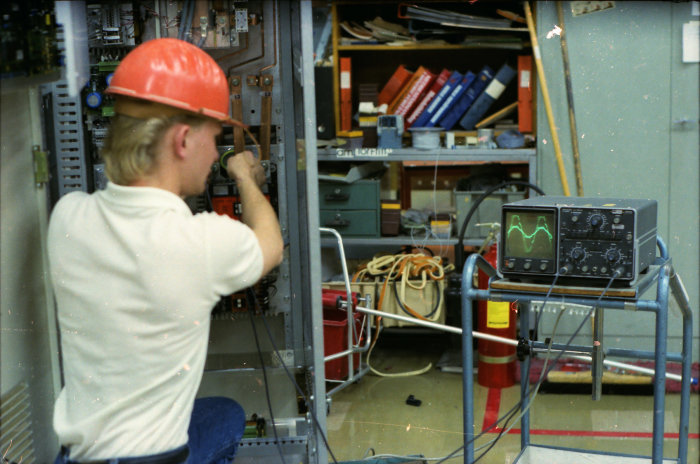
[[577, 238]]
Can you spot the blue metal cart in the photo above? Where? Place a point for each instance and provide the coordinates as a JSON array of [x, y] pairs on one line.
[[660, 273]]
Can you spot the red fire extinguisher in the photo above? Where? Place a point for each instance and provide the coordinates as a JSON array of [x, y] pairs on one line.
[[496, 362]]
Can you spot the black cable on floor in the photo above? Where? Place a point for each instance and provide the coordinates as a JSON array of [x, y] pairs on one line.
[[309, 404], [253, 302], [508, 415], [498, 437]]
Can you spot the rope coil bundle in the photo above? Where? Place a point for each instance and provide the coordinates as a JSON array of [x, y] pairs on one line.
[[405, 274]]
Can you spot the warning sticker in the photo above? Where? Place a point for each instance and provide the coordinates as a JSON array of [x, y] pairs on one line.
[[497, 314]]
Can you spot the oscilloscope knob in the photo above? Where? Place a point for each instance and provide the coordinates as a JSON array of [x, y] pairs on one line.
[[596, 220], [612, 255], [577, 253]]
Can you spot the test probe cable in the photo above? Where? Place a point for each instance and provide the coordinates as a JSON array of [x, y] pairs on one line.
[[508, 416], [251, 296], [459, 247]]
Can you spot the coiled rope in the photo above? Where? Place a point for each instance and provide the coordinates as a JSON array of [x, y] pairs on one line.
[[414, 271]]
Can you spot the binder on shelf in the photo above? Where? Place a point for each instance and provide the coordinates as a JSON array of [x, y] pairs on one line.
[[487, 97], [434, 105], [424, 80], [452, 98], [525, 93], [398, 99], [462, 104], [325, 112], [345, 94], [394, 85], [427, 97]]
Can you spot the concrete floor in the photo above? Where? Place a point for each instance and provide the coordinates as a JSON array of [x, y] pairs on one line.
[[371, 416]]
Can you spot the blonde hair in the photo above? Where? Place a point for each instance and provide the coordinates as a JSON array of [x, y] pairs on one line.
[[131, 147]]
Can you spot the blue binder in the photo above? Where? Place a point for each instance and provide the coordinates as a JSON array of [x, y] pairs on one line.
[[451, 99], [460, 107], [434, 105], [487, 97]]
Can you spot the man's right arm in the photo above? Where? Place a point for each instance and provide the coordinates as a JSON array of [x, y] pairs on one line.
[[258, 213]]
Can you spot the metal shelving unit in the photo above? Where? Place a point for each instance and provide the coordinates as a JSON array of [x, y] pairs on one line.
[[416, 157], [442, 156]]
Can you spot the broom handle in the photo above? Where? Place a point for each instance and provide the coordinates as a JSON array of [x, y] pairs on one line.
[[545, 96]]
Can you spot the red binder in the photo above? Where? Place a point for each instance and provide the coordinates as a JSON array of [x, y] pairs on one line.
[[424, 78], [525, 81], [394, 85], [393, 106]]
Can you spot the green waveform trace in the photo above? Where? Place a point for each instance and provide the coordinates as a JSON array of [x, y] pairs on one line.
[[529, 239]]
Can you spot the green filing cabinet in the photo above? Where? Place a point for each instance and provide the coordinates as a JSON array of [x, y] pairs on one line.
[[351, 209]]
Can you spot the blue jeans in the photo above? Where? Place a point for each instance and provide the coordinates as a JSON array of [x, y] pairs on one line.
[[216, 426]]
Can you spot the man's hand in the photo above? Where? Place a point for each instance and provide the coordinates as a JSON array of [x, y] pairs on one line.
[[244, 166], [258, 214]]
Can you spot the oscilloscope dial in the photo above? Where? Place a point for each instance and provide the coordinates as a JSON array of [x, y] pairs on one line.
[[597, 221], [613, 255], [578, 253]]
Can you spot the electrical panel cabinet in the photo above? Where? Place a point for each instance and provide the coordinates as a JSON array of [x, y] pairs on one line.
[[263, 347]]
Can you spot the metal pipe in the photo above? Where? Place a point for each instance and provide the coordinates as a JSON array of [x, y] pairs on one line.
[[663, 250], [340, 354], [538, 349], [541, 347], [468, 355], [660, 364], [341, 251], [435, 325], [348, 290], [525, 383], [597, 358], [345, 383], [629, 367], [638, 305], [681, 297]]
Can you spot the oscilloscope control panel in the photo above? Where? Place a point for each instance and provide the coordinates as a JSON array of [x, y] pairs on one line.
[[578, 237]]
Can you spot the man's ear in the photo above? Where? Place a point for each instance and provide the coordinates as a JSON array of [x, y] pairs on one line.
[[179, 139]]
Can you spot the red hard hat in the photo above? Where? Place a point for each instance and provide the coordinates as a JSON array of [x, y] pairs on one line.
[[177, 74]]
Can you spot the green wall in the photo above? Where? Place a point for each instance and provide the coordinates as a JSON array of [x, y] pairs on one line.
[[629, 85]]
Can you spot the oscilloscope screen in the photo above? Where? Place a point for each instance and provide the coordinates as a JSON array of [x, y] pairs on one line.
[[530, 234]]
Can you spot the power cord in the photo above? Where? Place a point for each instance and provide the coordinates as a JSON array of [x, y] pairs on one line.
[[251, 295], [509, 415], [253, 302], [459, 247], [544, 302]]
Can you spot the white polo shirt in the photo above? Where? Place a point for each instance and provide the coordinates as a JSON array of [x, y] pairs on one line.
[[136, 276]]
